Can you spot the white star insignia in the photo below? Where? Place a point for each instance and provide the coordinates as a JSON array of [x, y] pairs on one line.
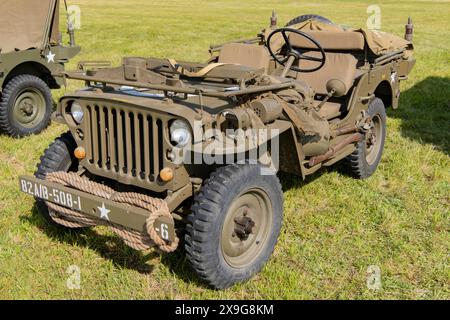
[[104, 212], [50, 57]]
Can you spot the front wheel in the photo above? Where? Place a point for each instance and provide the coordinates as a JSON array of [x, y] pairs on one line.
[[234, 225], [364, 161], [25, 106], [58, 157]]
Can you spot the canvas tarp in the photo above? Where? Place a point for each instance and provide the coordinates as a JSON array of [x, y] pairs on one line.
[[23, 23], [378, 42]]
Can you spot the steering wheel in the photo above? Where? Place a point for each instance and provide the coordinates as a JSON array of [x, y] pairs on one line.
[[296, 53]]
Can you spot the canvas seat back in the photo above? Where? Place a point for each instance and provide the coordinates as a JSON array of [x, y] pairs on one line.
[[330, 40], [250, 55], [340, 62]]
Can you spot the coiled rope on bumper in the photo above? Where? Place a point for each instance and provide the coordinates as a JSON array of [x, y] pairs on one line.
[[134, 239]]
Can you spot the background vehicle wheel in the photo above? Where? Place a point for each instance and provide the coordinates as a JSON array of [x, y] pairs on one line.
[[58, 157], [234, 225], [25, 106], [364, 161], [307, 17]]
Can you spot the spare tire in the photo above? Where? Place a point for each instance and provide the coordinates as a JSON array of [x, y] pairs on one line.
[[307, 17]]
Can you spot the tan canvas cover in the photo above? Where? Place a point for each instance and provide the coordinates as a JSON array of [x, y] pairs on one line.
[[379, 42], [249, 55], [23, 23], [54, 35]]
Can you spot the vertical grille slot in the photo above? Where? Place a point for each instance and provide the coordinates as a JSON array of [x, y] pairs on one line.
[[104, 156], [128, 143], [140, 154], [95, 138], [89, 147], [120, 141], [155, 141], [112, 133], [147, 138], [159, 155]]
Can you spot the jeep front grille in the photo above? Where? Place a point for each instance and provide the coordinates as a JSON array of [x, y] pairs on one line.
[[125, 144]]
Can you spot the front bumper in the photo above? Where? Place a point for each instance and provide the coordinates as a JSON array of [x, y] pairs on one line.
[[127, 216]]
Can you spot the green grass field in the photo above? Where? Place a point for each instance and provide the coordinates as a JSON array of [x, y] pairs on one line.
[[335, 227]]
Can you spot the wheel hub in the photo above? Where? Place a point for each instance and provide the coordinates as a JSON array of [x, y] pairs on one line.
[[373, 139], [27, 108], [246, 227], [243, 227]]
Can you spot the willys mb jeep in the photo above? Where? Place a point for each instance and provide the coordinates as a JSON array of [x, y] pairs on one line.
[[158, 149], [31, 56]]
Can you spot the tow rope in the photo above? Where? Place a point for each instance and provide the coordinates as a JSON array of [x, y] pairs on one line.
[[134, 239]]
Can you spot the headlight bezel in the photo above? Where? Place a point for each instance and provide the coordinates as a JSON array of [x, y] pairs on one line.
[[180, 133], [78, 114]]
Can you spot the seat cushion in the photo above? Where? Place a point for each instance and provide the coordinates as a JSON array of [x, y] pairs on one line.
[[330, 40], [337, 66], [250, 55]]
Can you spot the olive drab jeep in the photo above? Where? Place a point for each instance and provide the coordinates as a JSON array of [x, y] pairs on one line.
[[161, 150], [31, 56]]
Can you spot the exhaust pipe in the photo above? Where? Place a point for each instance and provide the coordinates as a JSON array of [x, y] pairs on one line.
[[332, 151], [70, 27]]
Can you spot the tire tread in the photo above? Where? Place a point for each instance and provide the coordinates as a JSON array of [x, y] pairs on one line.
[[206, 207]]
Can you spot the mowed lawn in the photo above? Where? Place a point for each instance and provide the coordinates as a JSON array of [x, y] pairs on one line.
[[336, 229]]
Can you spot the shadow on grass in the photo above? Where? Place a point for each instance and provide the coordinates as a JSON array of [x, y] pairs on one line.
[[289, 181], [111, 247], [425, 112]]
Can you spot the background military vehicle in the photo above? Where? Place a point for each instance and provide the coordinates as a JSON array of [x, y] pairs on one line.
[[31, 53], [157, 148]]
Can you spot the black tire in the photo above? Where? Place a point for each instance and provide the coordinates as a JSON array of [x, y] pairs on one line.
[[206, 224], [362, 163], [57, 157], [35, 119], [307, 17]]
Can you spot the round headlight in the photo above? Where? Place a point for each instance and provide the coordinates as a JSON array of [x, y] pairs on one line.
[[77, 112], [180, 133]]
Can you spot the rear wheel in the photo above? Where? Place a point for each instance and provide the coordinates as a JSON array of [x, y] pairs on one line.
[[58, 157], [307, 17], [367, 156], [234, 225], [25, 106]]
